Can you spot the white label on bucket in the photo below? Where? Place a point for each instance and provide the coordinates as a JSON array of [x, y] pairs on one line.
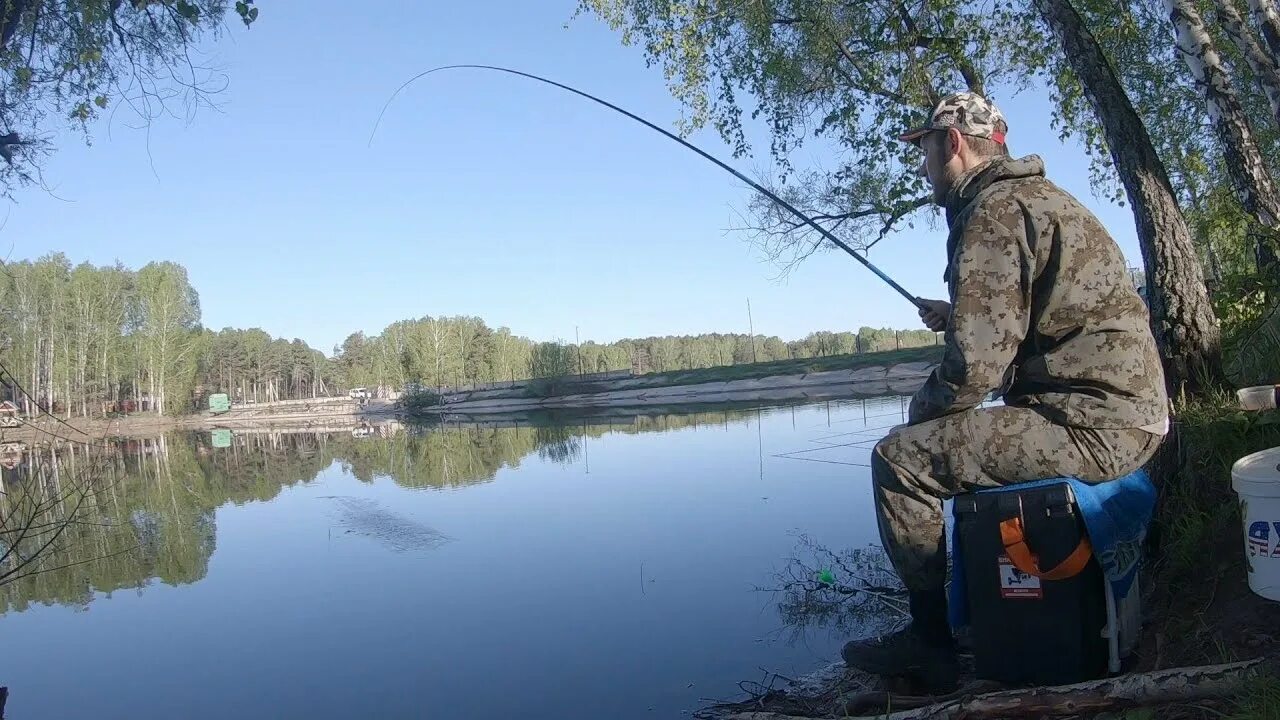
[[1016, 584], [1261, 541]]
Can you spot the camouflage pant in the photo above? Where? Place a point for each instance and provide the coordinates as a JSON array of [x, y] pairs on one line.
[[919, 466]]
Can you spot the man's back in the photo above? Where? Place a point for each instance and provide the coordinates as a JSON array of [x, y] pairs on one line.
[[1086, 356]]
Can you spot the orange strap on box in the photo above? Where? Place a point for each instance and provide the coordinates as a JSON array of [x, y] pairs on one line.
[[1015, 544]]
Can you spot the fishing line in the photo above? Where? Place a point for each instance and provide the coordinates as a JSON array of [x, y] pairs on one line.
[[767, 193]]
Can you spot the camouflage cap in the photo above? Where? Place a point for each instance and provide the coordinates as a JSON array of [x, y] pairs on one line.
[[970, 113]]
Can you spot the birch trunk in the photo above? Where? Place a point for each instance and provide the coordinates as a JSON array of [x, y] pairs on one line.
[[1249, 175], [1267, 17], [33, 398], [1264, 68]]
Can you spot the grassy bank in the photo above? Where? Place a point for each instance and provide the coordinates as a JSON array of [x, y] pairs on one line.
[[798, 366], [1200, 607]]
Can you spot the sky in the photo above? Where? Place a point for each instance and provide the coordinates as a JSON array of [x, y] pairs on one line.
[[481, 194]]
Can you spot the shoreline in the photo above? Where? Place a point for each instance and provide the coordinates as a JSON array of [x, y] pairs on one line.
[[340, 413], [606, 398]]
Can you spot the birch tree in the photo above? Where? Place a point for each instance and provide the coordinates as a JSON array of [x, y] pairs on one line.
[[1266, 15], [1264, 68], [1244, 160], [1135, 37], [170, 316]]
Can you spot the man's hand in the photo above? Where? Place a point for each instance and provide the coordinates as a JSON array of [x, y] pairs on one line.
[[935, 314]]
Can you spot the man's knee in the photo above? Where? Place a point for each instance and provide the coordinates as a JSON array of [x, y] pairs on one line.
[[909, 462], [882, 471], [894, 468]]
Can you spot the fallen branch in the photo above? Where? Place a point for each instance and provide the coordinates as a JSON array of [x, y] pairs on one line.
[[1160, 687]]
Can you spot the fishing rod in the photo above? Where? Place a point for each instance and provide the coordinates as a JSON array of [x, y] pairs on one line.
[[765, 191]]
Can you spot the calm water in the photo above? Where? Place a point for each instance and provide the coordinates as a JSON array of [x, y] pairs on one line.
[[583, 570]]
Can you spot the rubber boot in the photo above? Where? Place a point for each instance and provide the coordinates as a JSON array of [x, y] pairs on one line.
[[923, 652]]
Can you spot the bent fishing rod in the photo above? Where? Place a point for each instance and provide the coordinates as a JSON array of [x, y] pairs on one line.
[[758, 187]]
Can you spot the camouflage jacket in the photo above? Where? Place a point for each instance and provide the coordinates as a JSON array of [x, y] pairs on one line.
[[1043, 310]]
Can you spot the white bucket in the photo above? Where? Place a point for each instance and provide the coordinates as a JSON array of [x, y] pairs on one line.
[[1256, 478], [1259, 397]]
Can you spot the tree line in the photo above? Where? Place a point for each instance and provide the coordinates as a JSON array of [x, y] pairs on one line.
[[80, 339], [89, 341], [454, 351], [92, 341]]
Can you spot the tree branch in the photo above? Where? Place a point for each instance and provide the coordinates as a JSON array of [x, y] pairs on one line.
[[1268, 18], [950, 47], [902, 211], [863, 83], [35, 27], [947, 46]]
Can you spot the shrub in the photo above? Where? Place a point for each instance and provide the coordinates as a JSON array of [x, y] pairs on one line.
[[420, 399]]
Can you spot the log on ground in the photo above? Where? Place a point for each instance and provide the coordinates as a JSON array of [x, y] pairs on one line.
[[1159, 687]]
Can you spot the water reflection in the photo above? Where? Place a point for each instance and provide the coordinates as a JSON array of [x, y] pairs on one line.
[[151, 516], [611, 563]]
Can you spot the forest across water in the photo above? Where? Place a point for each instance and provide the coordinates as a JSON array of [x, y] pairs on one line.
[[89, 341]]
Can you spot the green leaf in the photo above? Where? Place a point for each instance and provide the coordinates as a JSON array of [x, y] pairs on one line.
[[188, 11], [100, 101], [246, 11]]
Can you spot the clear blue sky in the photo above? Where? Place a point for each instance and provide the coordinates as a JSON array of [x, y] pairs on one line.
[[482, 194]]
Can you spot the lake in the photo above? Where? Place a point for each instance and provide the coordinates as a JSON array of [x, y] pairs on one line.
[[582, 568]]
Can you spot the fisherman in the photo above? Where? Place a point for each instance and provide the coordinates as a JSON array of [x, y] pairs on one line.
[[1042, 313]]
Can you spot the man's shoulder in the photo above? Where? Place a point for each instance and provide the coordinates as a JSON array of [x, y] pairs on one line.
[[1033, 192], [1037, 200], [1007, 201]]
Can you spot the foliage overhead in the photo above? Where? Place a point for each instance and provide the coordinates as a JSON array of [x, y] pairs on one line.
[[853, 74], [65, 62]]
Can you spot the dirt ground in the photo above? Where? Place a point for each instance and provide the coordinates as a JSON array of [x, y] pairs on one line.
[[1214, 619]]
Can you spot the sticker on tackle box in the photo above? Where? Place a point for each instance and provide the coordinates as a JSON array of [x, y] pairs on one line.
[[1016, 584]]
